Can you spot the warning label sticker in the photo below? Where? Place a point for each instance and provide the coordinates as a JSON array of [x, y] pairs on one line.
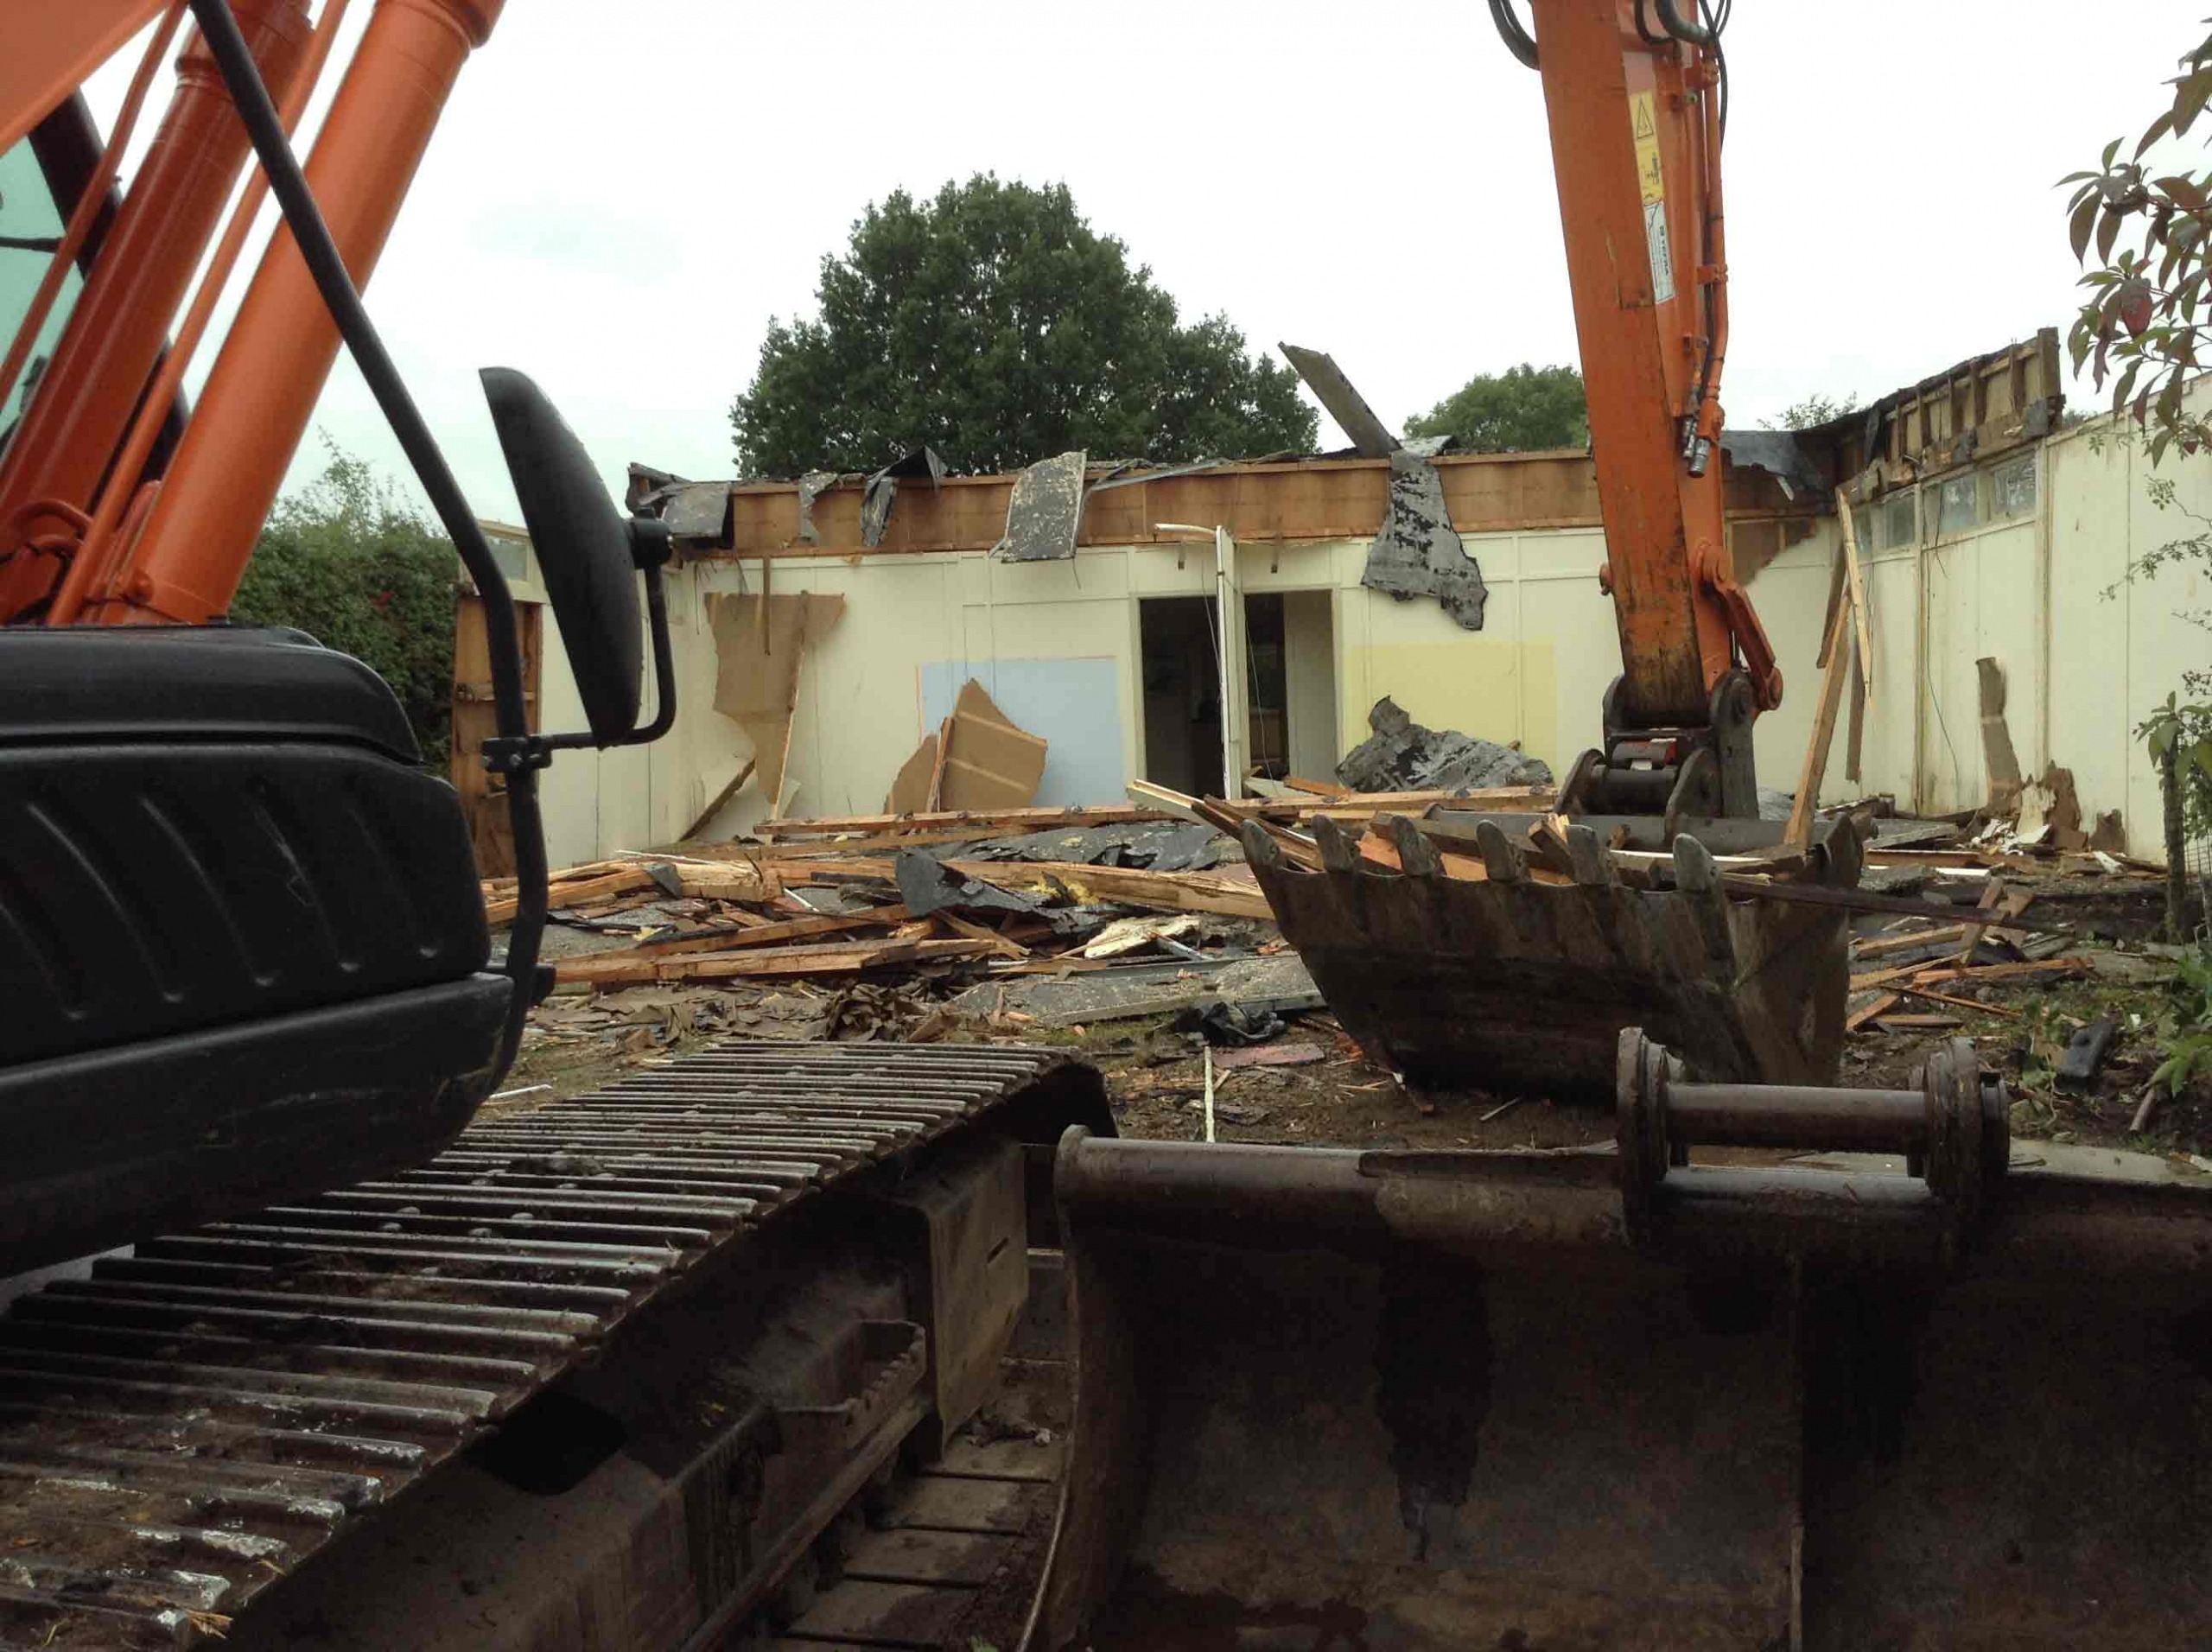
[[1643, 117], [1651, 183]]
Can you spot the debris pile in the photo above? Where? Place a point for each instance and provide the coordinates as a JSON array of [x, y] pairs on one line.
[[1402, 756], [923, 925]]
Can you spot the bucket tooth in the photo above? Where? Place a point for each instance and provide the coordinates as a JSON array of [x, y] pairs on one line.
[[1587, 856], [1499, 858], [1260, 848], [1338, 852], [1417, 856]]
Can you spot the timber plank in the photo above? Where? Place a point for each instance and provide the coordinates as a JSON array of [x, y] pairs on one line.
[[1906, 940], [885, 1614], [909, 1556], [1000, 1459], [959, 1505], [828, 959], [1867, 1012], [983, 821], [1181, 891]]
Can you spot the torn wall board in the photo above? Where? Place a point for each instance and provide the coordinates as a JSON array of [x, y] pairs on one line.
[[1996, 738], [910, 787], [811, 486], [989, 763], [1418, 552], [1369, 435], [883, 486], [758, 653], [1043, 512], [698, 510]]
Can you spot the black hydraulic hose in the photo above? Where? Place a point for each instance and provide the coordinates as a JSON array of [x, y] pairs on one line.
[[343, 299], [1517, 39], [1670, 19]]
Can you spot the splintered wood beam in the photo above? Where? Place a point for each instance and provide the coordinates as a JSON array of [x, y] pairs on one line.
[[610, 970], [1855, 582], [744, 773], [1799, 833], [978, 820]]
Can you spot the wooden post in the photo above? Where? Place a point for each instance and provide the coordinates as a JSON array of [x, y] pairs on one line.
[[1855, 582], [1799, 833]]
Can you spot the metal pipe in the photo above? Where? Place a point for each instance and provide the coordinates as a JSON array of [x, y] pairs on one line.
[[119, 325], [89, 201], [90, 569], [199, 535], [1786, 1116]]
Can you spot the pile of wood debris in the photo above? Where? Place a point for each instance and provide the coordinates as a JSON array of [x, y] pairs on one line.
[[990, 891]]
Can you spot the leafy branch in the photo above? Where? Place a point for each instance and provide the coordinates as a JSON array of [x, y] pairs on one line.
[[2146, 323]]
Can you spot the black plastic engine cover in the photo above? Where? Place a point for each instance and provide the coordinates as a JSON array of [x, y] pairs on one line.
[[166, 865], [243, 946]]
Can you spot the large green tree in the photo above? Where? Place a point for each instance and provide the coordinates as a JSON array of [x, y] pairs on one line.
[[995, 324], [349, 561], [1522, 409]]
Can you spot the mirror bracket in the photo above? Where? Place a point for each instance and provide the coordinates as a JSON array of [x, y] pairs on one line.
[[649, 549]]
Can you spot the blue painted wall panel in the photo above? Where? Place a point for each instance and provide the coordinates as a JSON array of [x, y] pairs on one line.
[[1073, 705]]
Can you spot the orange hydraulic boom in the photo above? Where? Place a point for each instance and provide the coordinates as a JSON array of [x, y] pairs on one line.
[[1637, 94]]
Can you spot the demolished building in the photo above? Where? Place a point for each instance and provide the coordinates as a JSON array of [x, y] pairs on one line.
[[1985, 530]]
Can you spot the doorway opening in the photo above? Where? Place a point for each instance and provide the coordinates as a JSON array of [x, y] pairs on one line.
[[1288, 691], [1182, 693]]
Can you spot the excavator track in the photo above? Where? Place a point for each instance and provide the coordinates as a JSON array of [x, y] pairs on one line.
[[187, 1425]]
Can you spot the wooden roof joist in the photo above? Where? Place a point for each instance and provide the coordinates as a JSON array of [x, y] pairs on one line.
[[1269, 501]]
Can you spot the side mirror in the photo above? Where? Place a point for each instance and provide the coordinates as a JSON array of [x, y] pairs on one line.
[[590, 555]]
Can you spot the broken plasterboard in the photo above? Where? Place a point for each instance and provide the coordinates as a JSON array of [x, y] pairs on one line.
[[757, 667], [1043, 512], [910, 787], [1996, 738], [1418, 551], [989, 764]]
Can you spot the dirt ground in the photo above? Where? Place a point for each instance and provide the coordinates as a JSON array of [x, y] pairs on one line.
[[1156, 1075]]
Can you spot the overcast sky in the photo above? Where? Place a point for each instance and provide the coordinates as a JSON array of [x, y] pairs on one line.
[[621, 196]]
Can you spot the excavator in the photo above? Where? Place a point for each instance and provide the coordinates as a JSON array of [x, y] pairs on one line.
[[314, 1341]]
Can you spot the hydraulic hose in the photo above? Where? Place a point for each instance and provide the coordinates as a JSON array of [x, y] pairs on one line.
[[1670, 19], [1517, 40]]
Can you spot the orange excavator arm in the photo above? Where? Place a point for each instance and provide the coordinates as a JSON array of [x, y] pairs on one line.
[[1635, 94], [93, 527]]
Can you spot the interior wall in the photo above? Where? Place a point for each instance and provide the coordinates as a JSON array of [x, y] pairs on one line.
[[1310, 682]]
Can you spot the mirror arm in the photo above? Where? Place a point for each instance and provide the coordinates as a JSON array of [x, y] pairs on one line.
[[242, 77]]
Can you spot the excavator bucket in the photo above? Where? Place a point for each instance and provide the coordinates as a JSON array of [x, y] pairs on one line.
[[1456, 971], [1934, 1391]]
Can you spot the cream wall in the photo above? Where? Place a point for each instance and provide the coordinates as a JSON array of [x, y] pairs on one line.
[[2081, 670]]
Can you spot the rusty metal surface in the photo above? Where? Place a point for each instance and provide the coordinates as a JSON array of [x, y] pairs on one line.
[[1520, 986], [1438, 1400], [184, 1426]]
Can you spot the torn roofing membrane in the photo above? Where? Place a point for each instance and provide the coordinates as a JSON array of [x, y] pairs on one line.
[[1418, 552]]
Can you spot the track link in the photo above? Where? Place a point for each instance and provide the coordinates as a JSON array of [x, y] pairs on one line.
[[183, 1427]]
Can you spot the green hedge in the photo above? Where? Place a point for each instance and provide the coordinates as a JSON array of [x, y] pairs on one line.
[[349, 561]]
